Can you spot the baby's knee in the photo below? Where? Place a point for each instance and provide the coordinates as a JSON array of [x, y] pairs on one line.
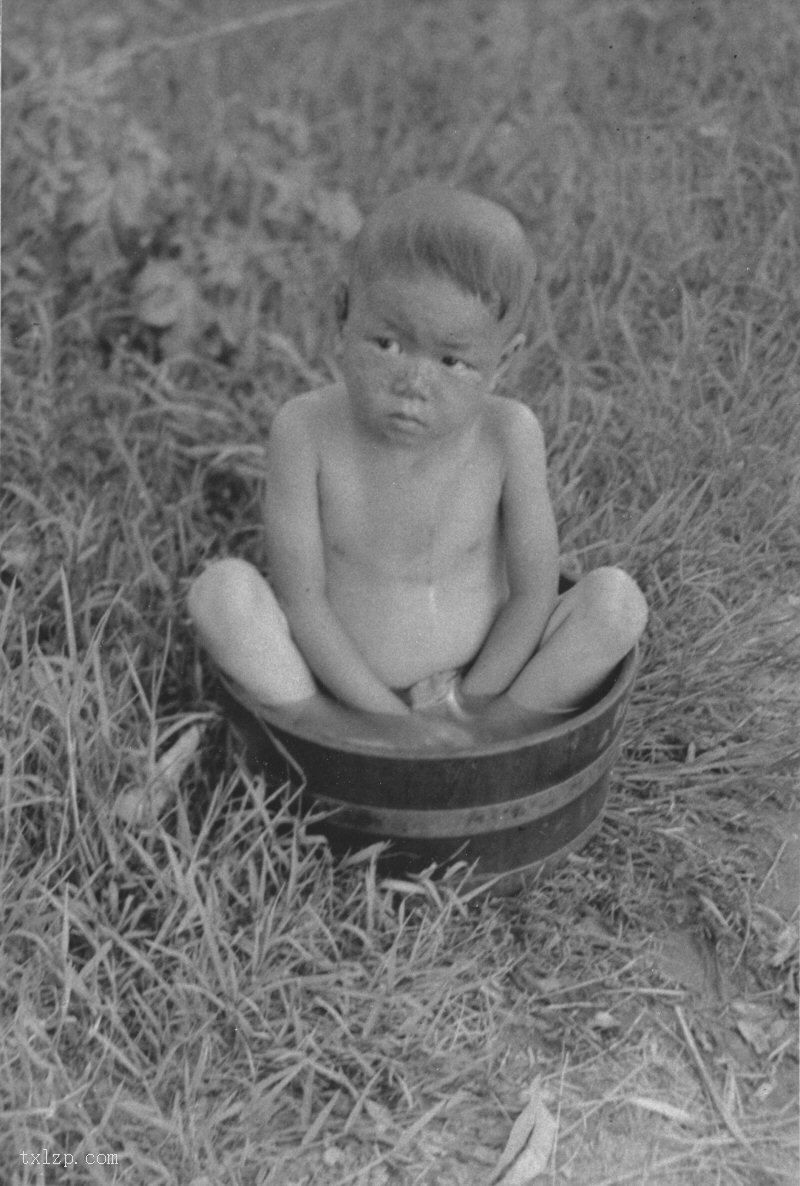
[[226, 590], [618, 603]]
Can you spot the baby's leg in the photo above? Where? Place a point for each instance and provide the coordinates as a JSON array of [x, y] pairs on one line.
[[592, 628], [245, 632]]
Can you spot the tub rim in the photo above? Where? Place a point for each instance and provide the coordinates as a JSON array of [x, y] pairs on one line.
[[270, 719]]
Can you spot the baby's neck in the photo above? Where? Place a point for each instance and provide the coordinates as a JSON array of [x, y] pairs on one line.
[[419, 454]]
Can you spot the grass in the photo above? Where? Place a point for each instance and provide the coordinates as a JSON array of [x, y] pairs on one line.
[[210, 999]]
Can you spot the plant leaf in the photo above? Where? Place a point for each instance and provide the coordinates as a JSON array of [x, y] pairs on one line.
[[164, 294], [133, 186], [338, 213]]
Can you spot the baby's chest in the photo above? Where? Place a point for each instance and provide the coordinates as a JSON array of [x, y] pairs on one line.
[[407, 516]]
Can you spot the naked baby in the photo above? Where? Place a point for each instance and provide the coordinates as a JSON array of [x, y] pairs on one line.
[[412, 548]]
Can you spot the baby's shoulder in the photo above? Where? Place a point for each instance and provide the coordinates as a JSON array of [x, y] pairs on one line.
[[513, 421], [311, 414]]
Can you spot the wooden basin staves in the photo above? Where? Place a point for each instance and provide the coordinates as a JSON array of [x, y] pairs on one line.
[[509, 806]]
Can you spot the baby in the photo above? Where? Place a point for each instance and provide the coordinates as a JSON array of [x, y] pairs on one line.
[[413, 555]]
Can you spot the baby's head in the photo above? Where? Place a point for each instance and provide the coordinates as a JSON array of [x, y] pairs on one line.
[[434, 230]]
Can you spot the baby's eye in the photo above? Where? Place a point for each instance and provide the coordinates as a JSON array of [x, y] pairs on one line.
[[387, 345], [456, 364]]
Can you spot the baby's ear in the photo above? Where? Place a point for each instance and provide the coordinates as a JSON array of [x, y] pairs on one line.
[[506, 354], [341, 302]]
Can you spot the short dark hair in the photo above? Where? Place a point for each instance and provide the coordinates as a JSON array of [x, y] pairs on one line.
[[475, 242]]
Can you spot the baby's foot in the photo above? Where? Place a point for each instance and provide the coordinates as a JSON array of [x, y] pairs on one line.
[[437, 729], [499, 718], [337, 725]]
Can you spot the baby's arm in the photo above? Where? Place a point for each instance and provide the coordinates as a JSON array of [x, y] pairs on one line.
[[297, 565], [531, 551]]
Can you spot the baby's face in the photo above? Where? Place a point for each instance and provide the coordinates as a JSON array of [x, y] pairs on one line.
[[420, 358]]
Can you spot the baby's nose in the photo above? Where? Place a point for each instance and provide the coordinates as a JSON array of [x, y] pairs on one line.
[[417, 376]]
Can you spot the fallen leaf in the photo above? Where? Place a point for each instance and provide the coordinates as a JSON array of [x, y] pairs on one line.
[[172, 764], [529, 1145], [596, 932], [786, 944], [135, 807], [678, 957], [661, 1108], [755, 1035], [380, 1116], [760, 1025], [547, 985], [603, 1020]]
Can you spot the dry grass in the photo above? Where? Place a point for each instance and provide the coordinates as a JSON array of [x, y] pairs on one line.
[[209, 998]]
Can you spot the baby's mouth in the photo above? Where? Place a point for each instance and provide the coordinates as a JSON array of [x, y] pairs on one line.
[[401, 417]]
